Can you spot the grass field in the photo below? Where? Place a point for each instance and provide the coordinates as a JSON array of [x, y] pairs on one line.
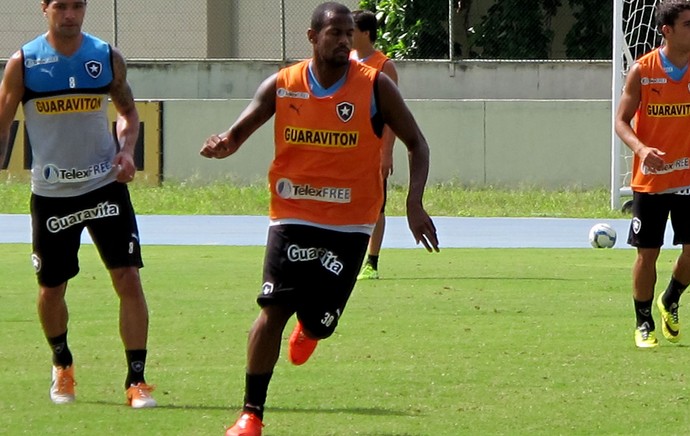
[[440, 200], [463, 342]]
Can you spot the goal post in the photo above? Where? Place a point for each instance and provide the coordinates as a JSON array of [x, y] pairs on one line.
[[634, 34]]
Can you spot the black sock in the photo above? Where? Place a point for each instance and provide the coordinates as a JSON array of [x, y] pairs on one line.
[[62, 356], [673, 292], [373, 261], [136, 363], [643, 313], [256, 390]]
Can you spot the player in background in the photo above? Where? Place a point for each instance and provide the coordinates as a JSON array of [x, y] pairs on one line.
[[656, 99], [364, 51], [79, 178], [326, 193]]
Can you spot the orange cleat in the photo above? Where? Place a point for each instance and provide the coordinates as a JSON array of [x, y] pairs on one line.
[[62, 385], [139, 396], [300, 347], [248, 425]]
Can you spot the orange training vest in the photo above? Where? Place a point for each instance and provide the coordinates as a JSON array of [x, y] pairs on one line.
[[327, 164], [662, 121], [376, 60]]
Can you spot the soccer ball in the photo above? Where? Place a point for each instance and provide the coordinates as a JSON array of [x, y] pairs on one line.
[[602, 236]]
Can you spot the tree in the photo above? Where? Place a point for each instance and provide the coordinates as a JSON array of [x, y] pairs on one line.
[[591, 35], [516, 29], [411, 29], [397, 32]]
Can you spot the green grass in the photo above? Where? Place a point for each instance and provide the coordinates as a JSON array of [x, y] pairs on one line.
[[463, 342], [440, 200]]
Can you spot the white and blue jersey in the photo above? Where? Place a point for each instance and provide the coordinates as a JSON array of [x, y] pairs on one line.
[[66, 110]]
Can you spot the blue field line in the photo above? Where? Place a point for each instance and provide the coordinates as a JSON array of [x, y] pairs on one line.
[[452, 232]]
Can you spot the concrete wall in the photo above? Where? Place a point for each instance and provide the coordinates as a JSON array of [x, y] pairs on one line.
[[546, 143], [418, 79], [545, 124]]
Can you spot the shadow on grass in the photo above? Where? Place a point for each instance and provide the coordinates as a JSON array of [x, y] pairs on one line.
[[370, 411], [394, 279]]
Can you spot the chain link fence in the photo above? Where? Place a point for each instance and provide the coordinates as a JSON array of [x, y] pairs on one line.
[[276, 29]]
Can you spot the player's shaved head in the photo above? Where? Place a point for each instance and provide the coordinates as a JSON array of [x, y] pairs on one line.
[[325, 11]]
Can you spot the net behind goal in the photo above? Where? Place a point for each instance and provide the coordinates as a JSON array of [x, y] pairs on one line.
[[634, 34]]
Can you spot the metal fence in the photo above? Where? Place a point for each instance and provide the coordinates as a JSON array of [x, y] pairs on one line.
[[276, 29]]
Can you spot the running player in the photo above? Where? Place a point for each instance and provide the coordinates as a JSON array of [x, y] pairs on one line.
[[326, 193]]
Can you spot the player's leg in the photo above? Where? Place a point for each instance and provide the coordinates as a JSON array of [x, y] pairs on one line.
[[326, 297], [370, 270], [265, 336], [116, 237], [55, 244], [263, 350], [647, 227], [669, 302]]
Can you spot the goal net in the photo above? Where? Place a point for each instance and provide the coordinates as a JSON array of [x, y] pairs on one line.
[[634, 34]]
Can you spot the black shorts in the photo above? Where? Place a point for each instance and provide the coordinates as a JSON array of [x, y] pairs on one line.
[[650, 215], [57, 224], [312, 271]]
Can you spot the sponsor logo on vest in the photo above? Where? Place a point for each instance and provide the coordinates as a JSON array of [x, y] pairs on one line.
[[30, 63], [286, 189], [103, 210], [668, 110], [345, 111], [284, 93], [328, 259], [52, 174], [320, 138], [93, 68], [679, 164], [653, 80], [62, 105]]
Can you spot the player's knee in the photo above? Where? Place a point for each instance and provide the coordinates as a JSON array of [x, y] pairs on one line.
[[318, 330]]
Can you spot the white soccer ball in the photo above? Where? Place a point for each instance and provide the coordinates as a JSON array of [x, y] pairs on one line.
[[602, 236]]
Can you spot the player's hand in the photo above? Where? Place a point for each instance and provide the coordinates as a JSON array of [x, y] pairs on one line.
[[124, 165], [216, 147], [651, 158], [422, 228]]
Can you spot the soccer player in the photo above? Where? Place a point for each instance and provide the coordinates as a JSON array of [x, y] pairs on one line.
[[656, 99], [363, 40], [78, 179], [326, 193]]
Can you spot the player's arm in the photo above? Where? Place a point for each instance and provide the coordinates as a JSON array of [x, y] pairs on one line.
[[398, 116], [628, 105], [388, 139], [260, 109], [11, 93], [127, 125]]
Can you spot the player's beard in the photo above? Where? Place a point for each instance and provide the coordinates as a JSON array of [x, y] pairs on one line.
[[339, 59]]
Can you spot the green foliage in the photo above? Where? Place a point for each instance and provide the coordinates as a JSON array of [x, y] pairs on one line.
[[591, 35], [399, 29], [516, 29]]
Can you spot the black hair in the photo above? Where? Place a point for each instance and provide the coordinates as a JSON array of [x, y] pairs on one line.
[[667, 11], [366, 22], [318, 18]]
